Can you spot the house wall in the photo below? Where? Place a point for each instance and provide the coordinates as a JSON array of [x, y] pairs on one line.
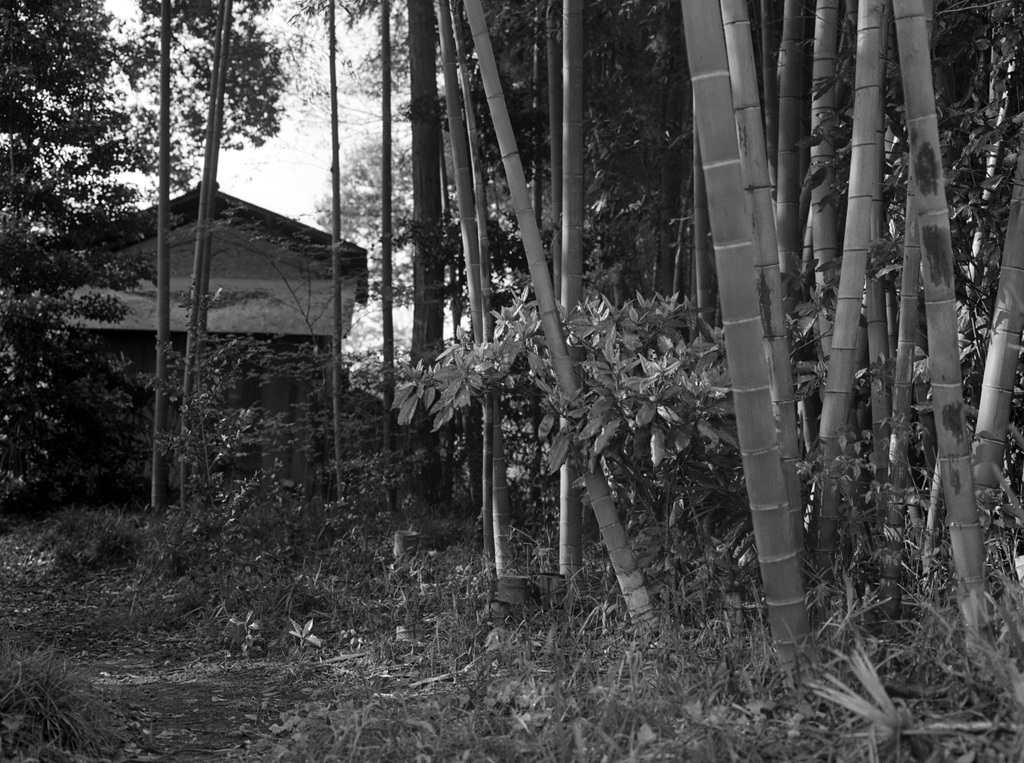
[[273, 394]]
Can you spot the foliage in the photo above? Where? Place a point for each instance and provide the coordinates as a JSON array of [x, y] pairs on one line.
[[67, 409], [71, 417], [255, 84], [653, 410], [63, 133]]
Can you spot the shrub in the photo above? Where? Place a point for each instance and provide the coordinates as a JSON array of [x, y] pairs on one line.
[[49, 713]]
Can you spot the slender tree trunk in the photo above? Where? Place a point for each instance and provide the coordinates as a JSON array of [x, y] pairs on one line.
[[555, 139], [570, 527], [623, 560], [778, 552], [387, 298], [787, 188], [463, 169], [769, 72], [207, 204], [336, 328], [496, 509], [1004, 349], [500, 508], [898, 492], [823, 211], [770, 288], [940, 307], [480, 200], [158, 494], [864, 180], [878, 355]]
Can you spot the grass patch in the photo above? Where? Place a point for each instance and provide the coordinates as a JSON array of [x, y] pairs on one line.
[[48, 713]]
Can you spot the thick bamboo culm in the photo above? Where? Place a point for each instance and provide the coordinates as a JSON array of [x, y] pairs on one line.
[[778, 554], [754, 162], [965, 532]]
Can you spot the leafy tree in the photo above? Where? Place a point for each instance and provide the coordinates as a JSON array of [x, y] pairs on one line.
[[65, 142], [255, 83]]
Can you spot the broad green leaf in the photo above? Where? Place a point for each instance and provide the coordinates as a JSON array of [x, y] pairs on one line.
[[402, 394], [559, 449], [607, 435], [546, 424], [707, 432], [428, 397], [408, 409], [595, 425], [646, 414], [657, 445]]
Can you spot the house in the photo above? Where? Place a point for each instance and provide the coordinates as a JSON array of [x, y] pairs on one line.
[[271, 279]]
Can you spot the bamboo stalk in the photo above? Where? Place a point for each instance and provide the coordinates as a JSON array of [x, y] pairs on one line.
[[864, 181], [623, 560], [898, 492], [770, 289], [778, 553], [158, 487], [789, 177], [1004, 348], [940, 306], [570, 524]]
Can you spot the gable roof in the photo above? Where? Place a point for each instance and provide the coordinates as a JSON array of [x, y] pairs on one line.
[[270, 274]]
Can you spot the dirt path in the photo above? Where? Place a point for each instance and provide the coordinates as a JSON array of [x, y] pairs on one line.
[[176, 699]]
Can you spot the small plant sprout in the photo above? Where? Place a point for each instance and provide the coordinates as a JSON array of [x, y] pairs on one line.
[[304, 633], [252, 632]]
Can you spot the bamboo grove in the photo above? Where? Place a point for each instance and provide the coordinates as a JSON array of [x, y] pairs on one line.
[[867, 304]]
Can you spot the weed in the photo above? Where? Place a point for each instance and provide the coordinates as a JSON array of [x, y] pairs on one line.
[[48, 713]]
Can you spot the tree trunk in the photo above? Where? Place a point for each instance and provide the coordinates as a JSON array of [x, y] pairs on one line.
[[555, 138], [940, 307], [622, 557], [1003, 350], [778, 553], [158, 494], [770, 288], [864, 182], [896, 495], [823, 211], [428, 265], [488, 432], [336, 323], [787, 187], [387, 298], [703, 269], [570, 526], [207, 204], [769, 73]]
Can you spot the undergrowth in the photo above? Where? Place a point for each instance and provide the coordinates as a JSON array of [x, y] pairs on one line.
[[47, 713], [414, 658]]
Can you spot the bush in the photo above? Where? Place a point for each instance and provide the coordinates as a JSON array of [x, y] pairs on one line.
[[93, 540], [69, 417]]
